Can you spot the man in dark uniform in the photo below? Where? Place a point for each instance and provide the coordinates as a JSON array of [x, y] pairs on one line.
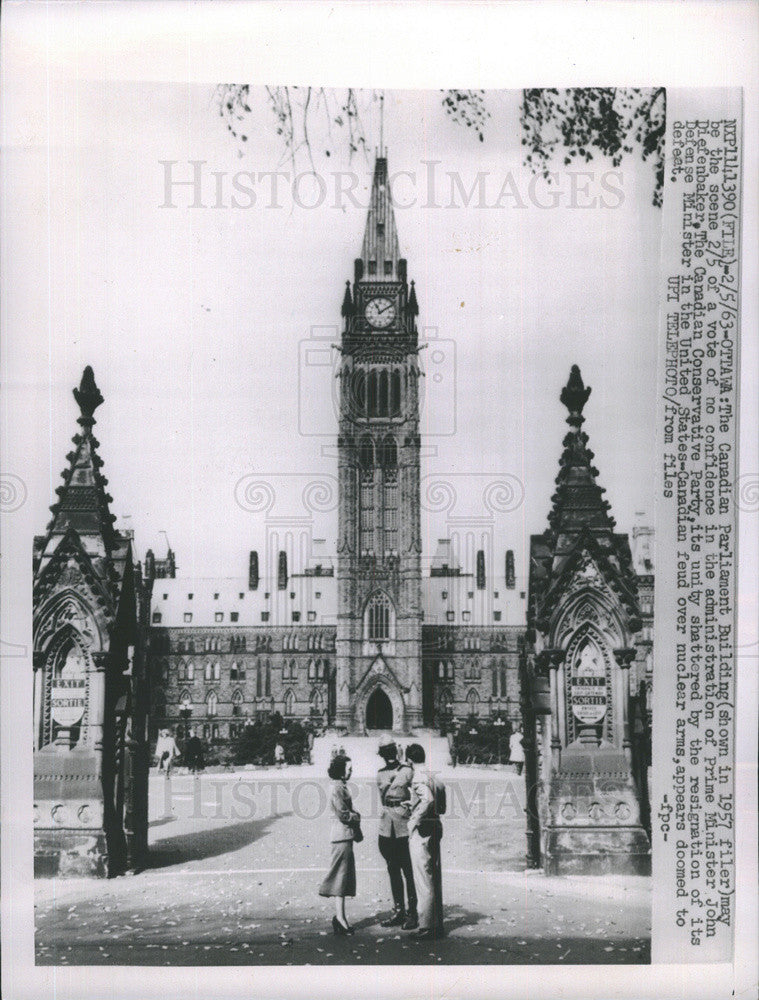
[[393, 782]]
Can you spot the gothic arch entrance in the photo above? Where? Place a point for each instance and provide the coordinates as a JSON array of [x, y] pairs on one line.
[[379, 710]]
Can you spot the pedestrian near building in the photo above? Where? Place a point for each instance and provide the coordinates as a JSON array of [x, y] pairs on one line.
[[166, 750], [193, 752], [516, 750], [425, 832], [340, 881], [394, 784]]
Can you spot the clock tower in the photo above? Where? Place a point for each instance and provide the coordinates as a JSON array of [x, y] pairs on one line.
[[379, 630]]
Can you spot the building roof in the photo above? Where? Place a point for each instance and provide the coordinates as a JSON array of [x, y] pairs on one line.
[[215, 600], [312, 598]]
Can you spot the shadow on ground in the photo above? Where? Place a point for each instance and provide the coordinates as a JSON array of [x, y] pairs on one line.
[[209, 843]]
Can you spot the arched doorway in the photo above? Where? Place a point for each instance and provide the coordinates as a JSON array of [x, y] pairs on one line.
[[379, 711]]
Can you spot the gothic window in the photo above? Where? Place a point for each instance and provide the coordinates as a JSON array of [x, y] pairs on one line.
[[241, 671], [259, 685], [289, 703], [366, 453], [372, 394], [395, 393], [185, 700], [233, 672], [317, 701], [473, 702], [384, 392], [213, 703], [267, 690], [378, 620], [388, 453], [190, 671], [237, 703], [366, 523], [391, 517], [495, 680], [503, 679], [359, 393]]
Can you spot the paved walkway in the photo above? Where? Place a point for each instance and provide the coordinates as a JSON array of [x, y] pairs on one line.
[[237, 859]]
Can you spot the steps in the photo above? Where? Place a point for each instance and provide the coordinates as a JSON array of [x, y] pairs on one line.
[[362, 751]]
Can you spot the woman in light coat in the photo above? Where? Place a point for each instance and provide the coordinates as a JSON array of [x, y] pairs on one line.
[[341, 877]]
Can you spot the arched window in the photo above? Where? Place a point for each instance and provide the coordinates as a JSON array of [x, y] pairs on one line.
[[289, 703], [473, 702], [237, 703], [366, 453], [191, 671], [388, 452], [383, 403], [378, 621], [185, 701], [181, 671], [216, 672], [213, 703], [494, 668], [372, 395], [395, 393], [259, 684], [317, 701], [311, 670], [359, 393]]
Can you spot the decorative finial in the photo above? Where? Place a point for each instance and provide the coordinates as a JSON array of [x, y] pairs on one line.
[[88, 397], [382, 124], [574, 396]]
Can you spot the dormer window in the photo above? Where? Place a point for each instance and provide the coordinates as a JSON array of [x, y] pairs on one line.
[[388, 267], [372, 267]]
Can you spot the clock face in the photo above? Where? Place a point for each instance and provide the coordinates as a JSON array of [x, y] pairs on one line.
[[380, 312]]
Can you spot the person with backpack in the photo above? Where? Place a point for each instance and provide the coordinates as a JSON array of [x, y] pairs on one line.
[[427, 804], [394, 784]]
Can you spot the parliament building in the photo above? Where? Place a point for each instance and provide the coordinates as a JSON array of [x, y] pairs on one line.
[[358, 639]]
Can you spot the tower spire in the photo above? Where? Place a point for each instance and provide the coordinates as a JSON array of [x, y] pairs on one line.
[[380, 251], [382, 124]]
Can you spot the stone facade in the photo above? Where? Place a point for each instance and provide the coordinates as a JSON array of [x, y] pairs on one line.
[[91, 689], [586, 670], [367, 639]]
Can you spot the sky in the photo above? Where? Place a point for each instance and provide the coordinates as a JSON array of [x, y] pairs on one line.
[[209, 324]]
